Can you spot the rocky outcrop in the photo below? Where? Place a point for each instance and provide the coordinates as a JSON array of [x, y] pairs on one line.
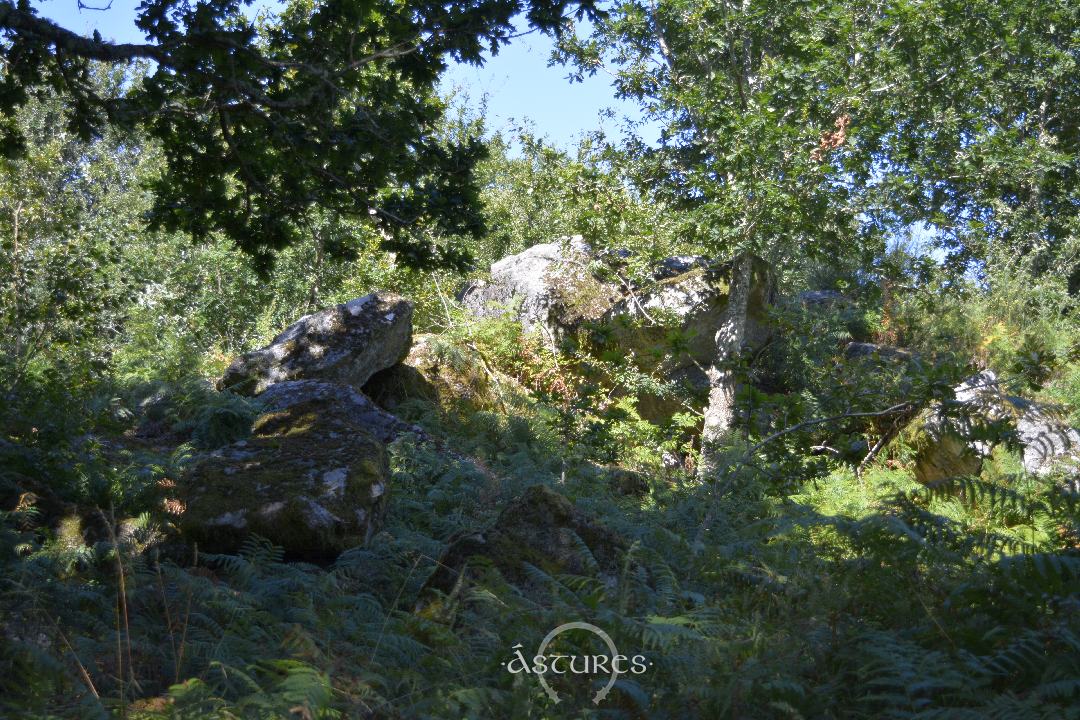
[[668, 326], [345, 344], [540, 528], [688, 308], [696, 300], [548, 286], [953, 438], [551, 285], [313, 476]]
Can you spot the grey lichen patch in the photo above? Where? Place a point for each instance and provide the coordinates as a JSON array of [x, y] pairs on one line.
[[271, 509], [318, 516], [334, 481], [355, 306], [233, 519]]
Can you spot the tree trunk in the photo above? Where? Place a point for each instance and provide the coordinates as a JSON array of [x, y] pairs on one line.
[[723, 380], [313, 292]]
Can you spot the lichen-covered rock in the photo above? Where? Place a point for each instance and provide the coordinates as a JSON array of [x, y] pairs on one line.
[[548, 285], [540, 528], [313, 477], [345, 344], [952, 438], [1049, 443]]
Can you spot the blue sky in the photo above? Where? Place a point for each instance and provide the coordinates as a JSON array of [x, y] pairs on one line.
[[518, 84]]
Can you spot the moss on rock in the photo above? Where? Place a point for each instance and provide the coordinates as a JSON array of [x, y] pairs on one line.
[[940, 451], [445, 374], [311, 478]]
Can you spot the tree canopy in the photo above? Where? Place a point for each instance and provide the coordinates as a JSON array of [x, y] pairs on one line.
[[328, 104], [800, 120]]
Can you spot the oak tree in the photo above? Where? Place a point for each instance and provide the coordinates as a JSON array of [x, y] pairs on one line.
[[331, 103]]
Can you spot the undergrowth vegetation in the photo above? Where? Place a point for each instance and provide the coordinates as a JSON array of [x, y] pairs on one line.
[[857, 597], [804, 591]]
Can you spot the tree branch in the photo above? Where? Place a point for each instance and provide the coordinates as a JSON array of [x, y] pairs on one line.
[[14, 19], [887, 412]]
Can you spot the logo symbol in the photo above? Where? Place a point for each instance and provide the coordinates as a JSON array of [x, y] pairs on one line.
[[611, 665]]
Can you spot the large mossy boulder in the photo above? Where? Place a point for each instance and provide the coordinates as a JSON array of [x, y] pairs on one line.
[[313, 476], [541, 528], [345, 344], [549, 286]]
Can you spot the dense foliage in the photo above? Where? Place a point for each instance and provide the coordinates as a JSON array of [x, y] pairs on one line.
[[328, 106], [813, 578]]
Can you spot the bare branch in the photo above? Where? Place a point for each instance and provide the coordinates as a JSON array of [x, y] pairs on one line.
[[895, 410]]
